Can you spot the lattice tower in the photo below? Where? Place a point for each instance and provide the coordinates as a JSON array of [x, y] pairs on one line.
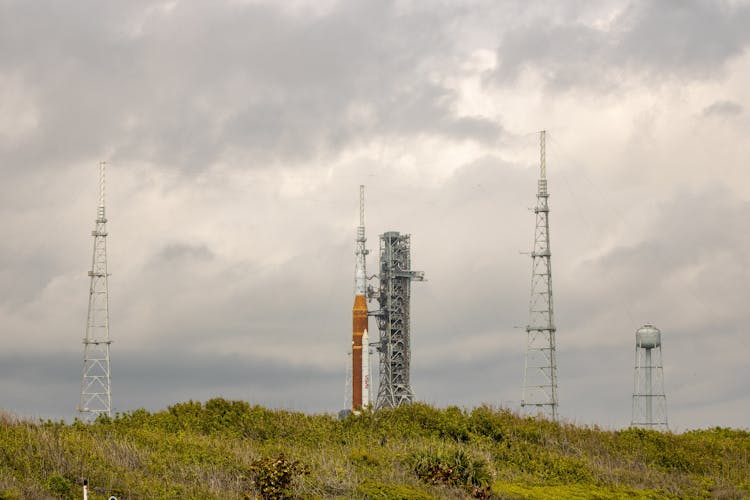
[[96, 394], [394, 298], [540, 368]]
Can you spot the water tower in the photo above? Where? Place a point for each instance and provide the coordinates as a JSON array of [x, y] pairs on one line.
[[649, 400]]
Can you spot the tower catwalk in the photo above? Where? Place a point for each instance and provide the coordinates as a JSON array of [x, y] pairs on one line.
[[649, 400], [393, 319], [360, 396], [96, 396], [540, 369]]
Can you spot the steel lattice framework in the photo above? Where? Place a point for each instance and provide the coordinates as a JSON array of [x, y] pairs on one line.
[[394, 298], [96, 395], [540, 368]]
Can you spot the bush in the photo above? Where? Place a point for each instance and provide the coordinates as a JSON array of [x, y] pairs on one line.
[[60, 486], [486, 422], [208, 450], [453, 468], [543, 464], [273, 477], [10, 495], [363, 458]]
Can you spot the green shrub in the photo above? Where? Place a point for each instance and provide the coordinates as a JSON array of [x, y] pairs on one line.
[[210, 450], [60, 486], [544, 464], [363, 458], [453, 468], [485, 421], [273, 477]]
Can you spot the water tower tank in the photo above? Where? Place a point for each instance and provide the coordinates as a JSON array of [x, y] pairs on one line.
[[648, 337]]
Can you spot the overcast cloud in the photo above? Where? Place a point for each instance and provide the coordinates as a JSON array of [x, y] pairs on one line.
[[238, 132]]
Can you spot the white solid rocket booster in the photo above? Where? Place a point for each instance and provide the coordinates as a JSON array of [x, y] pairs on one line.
[[365, 369]]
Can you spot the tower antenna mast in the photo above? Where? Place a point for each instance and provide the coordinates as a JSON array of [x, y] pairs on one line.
[[540, 367], [96, 395], [360, 318]]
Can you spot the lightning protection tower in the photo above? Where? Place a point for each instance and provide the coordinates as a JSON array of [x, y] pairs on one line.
[[360, 384], [540, 368], [649, 400], [394, 299], [96, 396]]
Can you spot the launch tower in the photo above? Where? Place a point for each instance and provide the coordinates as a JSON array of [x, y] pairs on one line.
[[393, 319], [649, 400], [540, 368], [96, 396], [360, 349]]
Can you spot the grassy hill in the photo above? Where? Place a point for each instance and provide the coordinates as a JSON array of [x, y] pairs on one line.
[[230, 449]]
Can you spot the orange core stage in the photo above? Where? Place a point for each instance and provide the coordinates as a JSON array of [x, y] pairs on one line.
[[359, 325]]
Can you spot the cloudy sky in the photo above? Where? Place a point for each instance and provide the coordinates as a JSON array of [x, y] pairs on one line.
[[238, 132]]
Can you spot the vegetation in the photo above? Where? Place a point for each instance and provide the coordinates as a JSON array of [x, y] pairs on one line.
[[230, 449]]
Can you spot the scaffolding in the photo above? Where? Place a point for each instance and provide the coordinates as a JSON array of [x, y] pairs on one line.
[[394, 298]]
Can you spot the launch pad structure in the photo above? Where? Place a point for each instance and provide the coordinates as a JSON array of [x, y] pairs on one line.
[[394, 299], [393, 317]]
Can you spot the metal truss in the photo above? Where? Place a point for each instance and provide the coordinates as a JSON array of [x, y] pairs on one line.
[[96, 394], [540, 367], [394, 298]]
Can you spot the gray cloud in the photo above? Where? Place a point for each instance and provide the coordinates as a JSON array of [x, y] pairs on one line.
[[191, 86], [240, 132], [50, 383], [177, 251], [655, 41], [723, 108]]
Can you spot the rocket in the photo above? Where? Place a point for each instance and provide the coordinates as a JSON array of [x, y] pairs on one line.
[[360, 349]]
